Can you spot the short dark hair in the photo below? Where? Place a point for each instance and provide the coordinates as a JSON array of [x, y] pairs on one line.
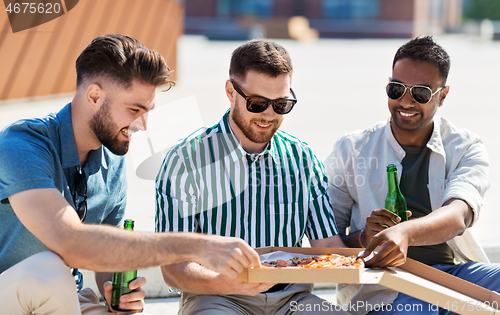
[[122, 59], [262, 56], [425, 49]]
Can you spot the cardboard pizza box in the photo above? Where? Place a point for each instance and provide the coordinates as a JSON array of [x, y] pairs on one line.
[[358, 275], [412, 278]]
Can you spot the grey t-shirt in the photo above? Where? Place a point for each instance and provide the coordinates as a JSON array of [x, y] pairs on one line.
[[413, 185]]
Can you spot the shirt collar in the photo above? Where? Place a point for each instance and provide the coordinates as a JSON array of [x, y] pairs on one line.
[[435, 143], [233, 145], [400, 152], [69, 152]]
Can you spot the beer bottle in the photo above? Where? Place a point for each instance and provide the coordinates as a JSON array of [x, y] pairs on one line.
[[395, 202], [121, 280]]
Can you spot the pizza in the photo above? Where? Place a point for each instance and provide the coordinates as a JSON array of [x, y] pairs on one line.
[[333, 261]]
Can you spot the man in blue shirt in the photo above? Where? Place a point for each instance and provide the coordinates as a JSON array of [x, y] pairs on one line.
[[73, 160]]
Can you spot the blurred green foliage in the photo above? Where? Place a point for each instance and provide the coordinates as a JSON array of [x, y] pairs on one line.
[[482, 9]]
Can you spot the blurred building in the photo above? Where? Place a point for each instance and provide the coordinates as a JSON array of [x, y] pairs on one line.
[[41, 60], [242, 19]]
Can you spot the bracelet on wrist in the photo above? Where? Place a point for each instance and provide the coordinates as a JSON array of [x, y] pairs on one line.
[[360, 238]]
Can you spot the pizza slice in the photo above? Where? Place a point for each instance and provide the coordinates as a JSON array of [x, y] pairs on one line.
[[320, 261]]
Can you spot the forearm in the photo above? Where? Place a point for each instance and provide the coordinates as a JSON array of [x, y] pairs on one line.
[[103, 248], [440, 225], [329, 242], [192, 277], [108, 249], [354, 240]]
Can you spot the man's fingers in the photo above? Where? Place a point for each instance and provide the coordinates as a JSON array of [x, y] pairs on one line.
[[388, 256], [236, 265], [252, 256], [256, 288], [134, 307], [377, 260], [137, 283], [383, 217], [107, 286], [389, 260], [229, 256], [230, 272], [266, 286], [133, 296]]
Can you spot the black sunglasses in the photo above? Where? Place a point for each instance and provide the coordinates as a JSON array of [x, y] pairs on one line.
[[420, 93], [258, 104], [81, 190]]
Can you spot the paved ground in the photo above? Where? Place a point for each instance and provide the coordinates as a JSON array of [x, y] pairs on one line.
[[340, 87]]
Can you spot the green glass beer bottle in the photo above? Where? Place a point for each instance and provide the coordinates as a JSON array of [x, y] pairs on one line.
[[121, 280], [395, 202]]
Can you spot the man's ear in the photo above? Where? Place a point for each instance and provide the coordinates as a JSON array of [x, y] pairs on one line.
[[95, 96], [230, 91], [444, 93]]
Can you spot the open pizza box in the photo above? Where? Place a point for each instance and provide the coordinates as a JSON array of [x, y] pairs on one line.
[[412, 278]]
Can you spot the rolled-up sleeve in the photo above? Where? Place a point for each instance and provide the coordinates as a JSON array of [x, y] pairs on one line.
[[321, 217], [469, 179], [337, 186]]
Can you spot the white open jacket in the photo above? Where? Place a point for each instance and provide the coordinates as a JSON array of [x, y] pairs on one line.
[[458, 168]]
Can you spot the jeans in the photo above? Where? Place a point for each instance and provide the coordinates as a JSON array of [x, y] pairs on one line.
[[484, 275]]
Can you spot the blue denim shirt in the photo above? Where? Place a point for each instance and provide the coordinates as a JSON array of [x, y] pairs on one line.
[[42, 153]]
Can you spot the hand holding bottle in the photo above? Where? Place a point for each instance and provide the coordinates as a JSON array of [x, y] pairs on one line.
[[382, 229], [134, 301], [379, 220]]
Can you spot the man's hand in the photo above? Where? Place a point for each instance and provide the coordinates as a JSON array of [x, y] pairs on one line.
[[134, 301], [394, 246], [382, 229], [231, 286], [227, 255], [378, 221]]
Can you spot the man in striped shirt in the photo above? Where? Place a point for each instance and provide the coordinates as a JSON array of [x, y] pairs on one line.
[[245, 178]]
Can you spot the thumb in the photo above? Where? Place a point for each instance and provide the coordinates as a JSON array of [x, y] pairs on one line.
[[107, 286], [370, 247]]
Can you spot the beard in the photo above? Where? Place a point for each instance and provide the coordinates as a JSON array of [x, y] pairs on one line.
[[105, 129], [248, 131], [409, 124]]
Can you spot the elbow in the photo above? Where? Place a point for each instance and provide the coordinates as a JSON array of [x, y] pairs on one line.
[[462, 214], [68, 247], [168, 273], [462, 224], [461, 231], [68, 253]]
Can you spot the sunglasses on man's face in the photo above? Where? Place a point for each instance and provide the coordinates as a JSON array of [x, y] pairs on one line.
[[81, 190], [420, 93], [258, 104]]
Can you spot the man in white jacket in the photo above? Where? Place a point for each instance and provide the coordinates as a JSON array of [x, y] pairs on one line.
[[442, 172]]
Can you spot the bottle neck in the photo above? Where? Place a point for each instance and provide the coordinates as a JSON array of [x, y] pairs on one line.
[[128, 225], [392, 181]]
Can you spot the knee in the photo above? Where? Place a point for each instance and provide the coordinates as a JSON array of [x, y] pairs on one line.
[[41, 284], [45, 268]]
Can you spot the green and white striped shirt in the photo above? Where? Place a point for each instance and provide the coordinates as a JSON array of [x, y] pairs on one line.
[[209, 184]]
